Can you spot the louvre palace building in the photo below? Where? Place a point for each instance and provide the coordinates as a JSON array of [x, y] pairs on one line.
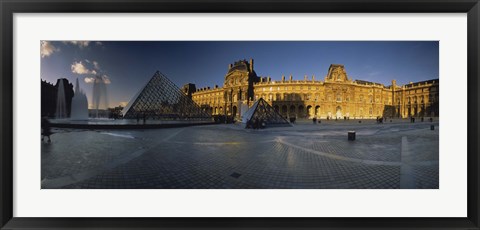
[[335, 96]]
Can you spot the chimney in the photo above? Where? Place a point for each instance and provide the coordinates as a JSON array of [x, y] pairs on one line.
[[283, 78], [305, 78], [251, 64], [230, 66], [290, 77], [313, 77]]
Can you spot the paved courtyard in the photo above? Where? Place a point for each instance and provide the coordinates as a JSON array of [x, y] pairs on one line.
[[393, 155]]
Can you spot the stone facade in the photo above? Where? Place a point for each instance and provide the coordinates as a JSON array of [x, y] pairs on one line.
[[337, 96]]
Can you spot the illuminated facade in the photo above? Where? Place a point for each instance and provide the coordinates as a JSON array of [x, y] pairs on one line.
[[337, 96]]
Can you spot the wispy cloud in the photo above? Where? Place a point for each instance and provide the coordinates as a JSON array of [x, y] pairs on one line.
[[47, 49], [106, 79], [81, 44], [374, 73], [95, 65]]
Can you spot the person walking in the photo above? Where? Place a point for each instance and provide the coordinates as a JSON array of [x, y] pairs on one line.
[[46, 132]]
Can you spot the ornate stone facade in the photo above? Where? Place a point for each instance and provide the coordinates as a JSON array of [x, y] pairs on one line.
[[337, 96]]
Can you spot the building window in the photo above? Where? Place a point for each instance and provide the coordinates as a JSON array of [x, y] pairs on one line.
[[339, 97]]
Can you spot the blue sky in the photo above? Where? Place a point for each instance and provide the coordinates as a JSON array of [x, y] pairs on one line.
[[127, 65]]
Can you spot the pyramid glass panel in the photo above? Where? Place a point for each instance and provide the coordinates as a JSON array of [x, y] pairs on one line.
[[161, 99], [265, 113]]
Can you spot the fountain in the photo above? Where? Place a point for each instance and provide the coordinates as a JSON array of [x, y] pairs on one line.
[[61, 111], [100, 100], [79, 105]]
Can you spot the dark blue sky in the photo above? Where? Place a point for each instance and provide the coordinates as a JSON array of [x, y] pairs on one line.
[[129, 65]]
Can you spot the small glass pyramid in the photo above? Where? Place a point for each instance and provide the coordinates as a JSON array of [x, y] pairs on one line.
[[265, 113]]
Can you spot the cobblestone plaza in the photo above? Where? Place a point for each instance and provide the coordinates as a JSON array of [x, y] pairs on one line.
[[392, 155]]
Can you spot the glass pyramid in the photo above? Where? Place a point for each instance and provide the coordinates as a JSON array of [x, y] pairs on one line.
[[161, 99], [265, 113]]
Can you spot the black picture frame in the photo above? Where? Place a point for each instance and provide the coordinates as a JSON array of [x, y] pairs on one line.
[[9, 7]]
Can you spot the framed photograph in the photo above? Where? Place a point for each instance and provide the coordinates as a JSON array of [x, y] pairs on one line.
[[265, 114]]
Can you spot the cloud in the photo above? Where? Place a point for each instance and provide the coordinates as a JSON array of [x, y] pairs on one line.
[[106, 79], [374, 73], [80, 68], [123, 103], [95, 65], [98, 43], [89, 80], [85, 68], [97, 79], [81, 44], [47, 49]]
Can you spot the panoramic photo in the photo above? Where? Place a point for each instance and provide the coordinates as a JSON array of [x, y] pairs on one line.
[[239, 114]]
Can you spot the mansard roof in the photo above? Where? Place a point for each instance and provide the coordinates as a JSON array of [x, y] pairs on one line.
[[336, 72], [239, 65], [242, 66]]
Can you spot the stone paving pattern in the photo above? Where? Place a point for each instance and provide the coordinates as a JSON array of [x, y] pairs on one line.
[[305, 156]]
